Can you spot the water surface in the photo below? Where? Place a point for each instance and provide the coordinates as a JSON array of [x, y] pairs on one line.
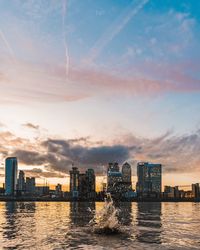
[[63, 225]]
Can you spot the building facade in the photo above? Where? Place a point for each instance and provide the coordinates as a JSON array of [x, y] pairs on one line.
[[30, 185], [11, 169], [82, 185], [195, 190], [91, 183], [149, 179], [114, 181], [172, 192], [119, 183], [126, 175], [58, 190], [74, 182], [21, 184]]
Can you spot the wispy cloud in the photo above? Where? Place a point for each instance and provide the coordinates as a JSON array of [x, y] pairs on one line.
[[39, 74], [44, 83], [7, 45], [31, 126], [115, 29]]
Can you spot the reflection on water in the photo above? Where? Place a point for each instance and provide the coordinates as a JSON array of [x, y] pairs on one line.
[[63, 225], [125, 213], [149, 222], [13, 223], [81, 212]]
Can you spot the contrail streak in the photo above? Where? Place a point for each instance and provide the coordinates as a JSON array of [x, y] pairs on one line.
[[6, 43], [65, 40], [111, 32]]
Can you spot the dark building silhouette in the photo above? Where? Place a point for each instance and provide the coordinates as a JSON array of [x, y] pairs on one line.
[[74, 182], [126, 175], [30, 185], [91, 183], [195, 190], [149, 179], [82, 185], [83, 189], [58, 190], [21, 184], [172, 192]]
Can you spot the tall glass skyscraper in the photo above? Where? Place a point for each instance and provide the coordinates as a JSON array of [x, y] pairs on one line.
[[21, 185], [11, 175], [126, 173], [74, 182], [149, 178]]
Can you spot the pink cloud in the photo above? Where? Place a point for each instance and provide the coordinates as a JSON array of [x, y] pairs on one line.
[[47, 83]]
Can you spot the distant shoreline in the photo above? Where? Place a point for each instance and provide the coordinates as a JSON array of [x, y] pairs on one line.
[[42, 199]]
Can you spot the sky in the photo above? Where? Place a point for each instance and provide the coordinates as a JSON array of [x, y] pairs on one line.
[[96, 81]]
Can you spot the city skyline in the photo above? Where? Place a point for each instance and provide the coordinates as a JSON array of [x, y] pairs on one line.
[[117, 177], [118, 185], [100, 81]]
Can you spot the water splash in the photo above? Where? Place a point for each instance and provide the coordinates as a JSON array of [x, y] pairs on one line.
[[106, 221]]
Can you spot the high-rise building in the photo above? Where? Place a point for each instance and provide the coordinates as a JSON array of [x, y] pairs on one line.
[[58, 190], [113, 167], [90, 175], [30, 185], [119, 183], [114, 181], [91, 183], [114, 177], [10, 175], [74, 182], [21, 185], [149, 178], [126, 174], [172, 192], [83, 186], [195, 190], [87, 185]]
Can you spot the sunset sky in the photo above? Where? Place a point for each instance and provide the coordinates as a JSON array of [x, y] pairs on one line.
[[96, 81]]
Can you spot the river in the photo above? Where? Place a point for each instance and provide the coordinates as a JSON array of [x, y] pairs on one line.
[[64, 225]]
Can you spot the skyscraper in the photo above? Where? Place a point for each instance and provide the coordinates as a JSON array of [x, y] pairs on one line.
[[114, 177], [83, 186], [149, 178], [91, 183], [10, 175], [74, 182], [87, 185], [58, 190], [114, 181], [21, 185], [195, 190], [30, 185], [126, 173]]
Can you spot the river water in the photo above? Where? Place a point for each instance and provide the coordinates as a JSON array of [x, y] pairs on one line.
[[64, 225]]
